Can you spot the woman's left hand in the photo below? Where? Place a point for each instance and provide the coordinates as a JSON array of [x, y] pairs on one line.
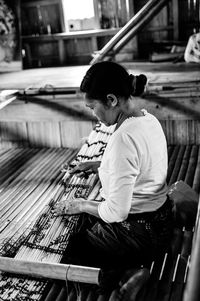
[[68, 207]]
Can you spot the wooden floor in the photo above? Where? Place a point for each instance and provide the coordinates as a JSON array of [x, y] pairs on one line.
[[72, 76]]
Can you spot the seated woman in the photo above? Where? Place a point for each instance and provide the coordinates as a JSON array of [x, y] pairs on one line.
[[133, 223]]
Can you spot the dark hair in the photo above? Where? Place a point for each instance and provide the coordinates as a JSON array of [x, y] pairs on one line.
[[108, 77]]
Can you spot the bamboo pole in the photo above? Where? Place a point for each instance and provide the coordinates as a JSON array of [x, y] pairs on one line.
[[158, 5], [125, 30], [192, 289], [172, 162], [50, 270], [184, 166], [35, 205], [196, 181], [177, 165], [192, 165]]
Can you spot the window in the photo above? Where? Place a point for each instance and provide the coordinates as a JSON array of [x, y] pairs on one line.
[[79, 14], [78, 9]]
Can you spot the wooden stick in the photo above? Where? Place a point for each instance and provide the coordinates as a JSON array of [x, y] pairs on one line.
[[192, 290], [149, 14], [6, 102], [50, 270]]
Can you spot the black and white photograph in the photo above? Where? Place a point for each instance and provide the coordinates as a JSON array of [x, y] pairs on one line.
[[99, 150]]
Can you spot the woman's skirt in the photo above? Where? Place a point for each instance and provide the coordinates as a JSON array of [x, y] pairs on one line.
[[134, 242]]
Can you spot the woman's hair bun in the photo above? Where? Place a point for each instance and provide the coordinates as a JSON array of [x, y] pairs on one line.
[[138, 83]]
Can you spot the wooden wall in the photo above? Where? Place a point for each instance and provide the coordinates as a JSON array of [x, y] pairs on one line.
[[63, 122], [161, 28], [10, 46], [44, 123], [43, 21], [180, 119], [189, 18], [46, 41]]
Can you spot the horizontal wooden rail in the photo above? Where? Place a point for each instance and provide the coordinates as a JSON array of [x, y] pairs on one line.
[[50, 270]]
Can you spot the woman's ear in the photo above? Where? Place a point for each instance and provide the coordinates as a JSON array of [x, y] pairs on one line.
[[112, 100]]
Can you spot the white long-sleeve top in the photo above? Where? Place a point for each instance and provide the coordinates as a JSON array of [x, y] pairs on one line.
[[133, 169]]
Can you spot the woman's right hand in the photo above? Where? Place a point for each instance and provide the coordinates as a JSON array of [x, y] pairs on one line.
[[84, 169]]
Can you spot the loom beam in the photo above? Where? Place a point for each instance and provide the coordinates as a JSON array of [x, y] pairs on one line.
[[50, 270]]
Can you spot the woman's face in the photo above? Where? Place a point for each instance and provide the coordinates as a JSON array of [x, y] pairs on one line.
[[104, 113]]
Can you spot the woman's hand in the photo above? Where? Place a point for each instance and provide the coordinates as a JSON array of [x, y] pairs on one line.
[[85, 168], [76, 206], [69, 207]]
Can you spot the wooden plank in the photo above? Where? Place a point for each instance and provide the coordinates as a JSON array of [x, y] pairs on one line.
[[176, 165], [180, 124], [171, 163], [175, 11], [196, 181], [47, 108], [10, 167], [181, 131], [192, 290], [163, 73], [53, 292], [151, 290], [44, 134], [50, 270], [61, 51], [73, 35], [178, 280], [166, 278], [96, 13], [184, 166], [6, 97], [72, 132], [13, 134], [61, 13], [192, 165], [6, 102], [41, 2]]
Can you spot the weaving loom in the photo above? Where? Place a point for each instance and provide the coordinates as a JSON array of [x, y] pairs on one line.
[[29, 230], [32, 180]]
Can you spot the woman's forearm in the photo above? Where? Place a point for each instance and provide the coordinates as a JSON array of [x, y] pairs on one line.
[[90, 207]]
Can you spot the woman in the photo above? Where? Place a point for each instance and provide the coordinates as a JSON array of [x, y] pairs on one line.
[[133, 223]]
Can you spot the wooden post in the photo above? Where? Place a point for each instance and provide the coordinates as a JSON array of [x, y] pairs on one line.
[[192, 289], [61, 11], [96, 14], [50, 270], [175, 19], [61, 51]]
